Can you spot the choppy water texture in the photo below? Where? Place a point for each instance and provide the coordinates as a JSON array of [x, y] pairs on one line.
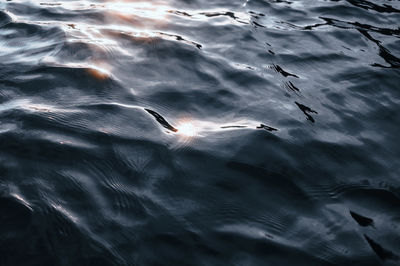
[[194, 132]]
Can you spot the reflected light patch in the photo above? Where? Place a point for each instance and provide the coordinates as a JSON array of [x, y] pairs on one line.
[[92, 69], [155, 10], [98, 72], [186, 129]]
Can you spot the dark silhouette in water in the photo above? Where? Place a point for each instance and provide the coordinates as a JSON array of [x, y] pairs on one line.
[[382, 253], [268, 128], [161, 120], [225, 127], [289, 85], [283, 72], [306, 110], [361, 220]]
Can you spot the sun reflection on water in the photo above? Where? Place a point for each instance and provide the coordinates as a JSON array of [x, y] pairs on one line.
[[191, 128], [186, 129], [98, 72], [154, 10]]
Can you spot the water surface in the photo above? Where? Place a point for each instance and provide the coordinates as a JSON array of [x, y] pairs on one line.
[[194, 132]]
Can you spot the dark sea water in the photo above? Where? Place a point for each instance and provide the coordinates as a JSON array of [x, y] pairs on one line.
[[195, 132]]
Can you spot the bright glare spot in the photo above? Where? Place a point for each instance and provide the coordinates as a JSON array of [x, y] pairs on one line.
[[98, 72], [186, 129]]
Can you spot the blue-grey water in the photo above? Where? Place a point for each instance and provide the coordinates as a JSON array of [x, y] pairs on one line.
[[195, 132]]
